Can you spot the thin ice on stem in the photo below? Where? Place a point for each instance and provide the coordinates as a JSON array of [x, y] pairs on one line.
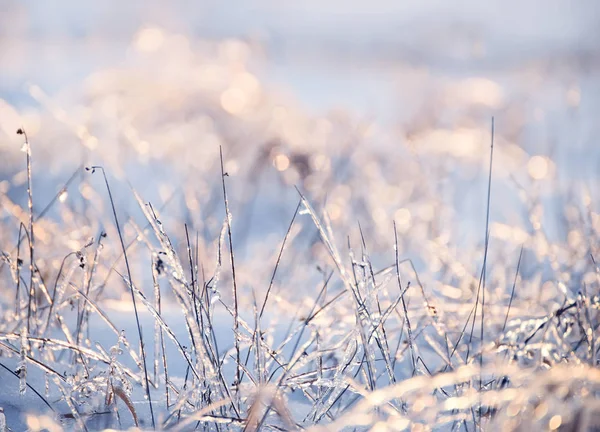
[[236, 323], [137, 318]]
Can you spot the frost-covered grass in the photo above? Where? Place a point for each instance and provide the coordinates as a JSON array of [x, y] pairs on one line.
[[320, 273]]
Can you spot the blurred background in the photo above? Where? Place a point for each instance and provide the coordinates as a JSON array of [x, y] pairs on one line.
[[377, 111], [321, 50]]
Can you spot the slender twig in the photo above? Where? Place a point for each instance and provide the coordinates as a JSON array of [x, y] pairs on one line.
[[474, 314], [287, 234], [194, 283], [408, 327], [236, 323], [137, 318], [262, 309], [487, 242], [27, 148], [485, 255], [159, 340], [512, 294], [18, 272]]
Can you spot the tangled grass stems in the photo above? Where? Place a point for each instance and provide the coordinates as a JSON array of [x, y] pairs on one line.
[[370, 345]]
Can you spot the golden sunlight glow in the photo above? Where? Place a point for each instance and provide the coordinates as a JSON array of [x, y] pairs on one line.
[[467, 143], [149, 39], [281, 162], [376, 398], [233, 100], [380, 426], [142, 147], [63, 196], [509, 233], [379, 215], [42, 423], [479, 91], [246, 82], [451, 292], [541, 410], [334, 211], [538, 167], [402, 217], [33, 422], [457, 403], [86, 191], [555, 422], [513, 409], [423, 402], [90, 142]]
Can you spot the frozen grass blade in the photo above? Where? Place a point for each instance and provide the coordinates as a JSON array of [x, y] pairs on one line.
[[165, 327], [487, 240], [405, 309], [27, 149], [484, 270], [137, 318], [159, 341], [236, 318], [512, 292], [285, 238], [329, 357]]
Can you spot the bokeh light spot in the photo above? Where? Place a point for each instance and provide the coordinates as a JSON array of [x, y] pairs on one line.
[[281, 162], [149, 39], [233, 100], [63, 196], [538, 167], [555, 422], [403, 218]]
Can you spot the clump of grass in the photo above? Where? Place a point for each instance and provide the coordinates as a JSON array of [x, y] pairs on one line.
[[356, 328]]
